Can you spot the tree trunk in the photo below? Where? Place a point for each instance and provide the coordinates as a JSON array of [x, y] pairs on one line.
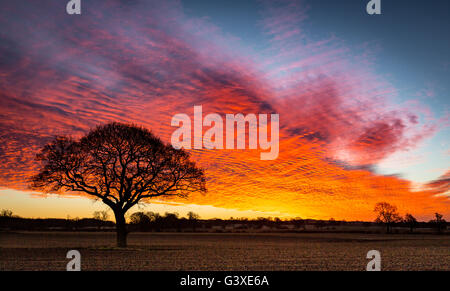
[[121, 229]]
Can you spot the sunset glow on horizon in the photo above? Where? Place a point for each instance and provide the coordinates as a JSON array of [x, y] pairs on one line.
[[354, 131]]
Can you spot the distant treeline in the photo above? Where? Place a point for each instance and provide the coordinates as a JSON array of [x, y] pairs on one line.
[[154, 222], [18, 223], [149, 221]]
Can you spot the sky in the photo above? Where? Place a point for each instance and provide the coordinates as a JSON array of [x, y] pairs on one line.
[[362, 99]]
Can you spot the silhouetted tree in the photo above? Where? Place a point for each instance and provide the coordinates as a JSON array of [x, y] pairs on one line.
[[193, 218], [387, 214], [138, 218], [6, 213], [170, 220], [119, 164], [411, 221], [439, 222], [101, 215], [141, 220]]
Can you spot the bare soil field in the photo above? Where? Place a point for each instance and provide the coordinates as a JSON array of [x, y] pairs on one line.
[[223, 252]]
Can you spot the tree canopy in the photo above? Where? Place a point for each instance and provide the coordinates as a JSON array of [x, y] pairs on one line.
[[120, 164]]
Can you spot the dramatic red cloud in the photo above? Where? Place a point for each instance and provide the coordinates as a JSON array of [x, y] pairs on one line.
[[61, 75]]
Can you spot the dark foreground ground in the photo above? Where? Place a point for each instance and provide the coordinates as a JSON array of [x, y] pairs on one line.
[[211, 251]]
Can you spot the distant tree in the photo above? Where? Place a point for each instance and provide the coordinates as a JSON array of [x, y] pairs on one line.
[[121, 165], [411, 221], [387, 214], [101, 215], [192, 215], [439, 222], [6, 213], [153, 216], [172, 216], [193, 219], [141, 220], [171, 219]]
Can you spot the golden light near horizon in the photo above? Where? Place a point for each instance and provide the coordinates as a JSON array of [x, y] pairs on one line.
[[25, 204]]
